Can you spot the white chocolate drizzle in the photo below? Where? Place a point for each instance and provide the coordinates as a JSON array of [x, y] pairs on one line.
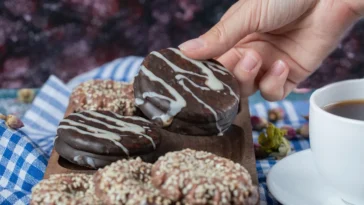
[[217, 70], [90, 162], [201, 63], [181, 82], [139, 101], [231, 92], [180, 77], [125, 126], [211, 81], [122, 126], [131, 117], [77, 158], [176, 104]]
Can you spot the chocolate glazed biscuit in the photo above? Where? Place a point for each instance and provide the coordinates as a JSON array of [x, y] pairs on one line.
[[186, 96], [91, 160], [105, 136]]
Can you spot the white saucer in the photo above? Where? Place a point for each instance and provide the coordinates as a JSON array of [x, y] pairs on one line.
[[295, 181]]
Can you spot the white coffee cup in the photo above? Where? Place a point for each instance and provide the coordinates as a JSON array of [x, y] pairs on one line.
[[337, 143]]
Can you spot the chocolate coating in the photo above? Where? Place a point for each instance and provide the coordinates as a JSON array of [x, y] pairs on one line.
[[91, 160], [186, 96], [105, 95], [107, 133]]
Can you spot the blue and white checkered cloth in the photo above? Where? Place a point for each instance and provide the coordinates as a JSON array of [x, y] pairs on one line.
[[24, 153]]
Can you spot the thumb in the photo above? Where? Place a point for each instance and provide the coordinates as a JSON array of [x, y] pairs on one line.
[[243, 20]]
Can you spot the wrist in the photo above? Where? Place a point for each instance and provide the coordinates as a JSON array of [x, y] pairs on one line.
[[360, 6], [357, 6]]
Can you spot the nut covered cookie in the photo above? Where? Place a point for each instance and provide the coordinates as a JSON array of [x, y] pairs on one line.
[[68, 189], [198, 177], [128, 182], [106, 95]]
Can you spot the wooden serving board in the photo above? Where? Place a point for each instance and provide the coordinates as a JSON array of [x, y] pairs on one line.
[[236, 144]]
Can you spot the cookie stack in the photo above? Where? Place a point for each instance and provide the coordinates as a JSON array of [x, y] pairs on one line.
[[119, 128], [181, 177], [107, 120]]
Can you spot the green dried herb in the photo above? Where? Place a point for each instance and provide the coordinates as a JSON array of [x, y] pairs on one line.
[[283, 150], [271, 140]]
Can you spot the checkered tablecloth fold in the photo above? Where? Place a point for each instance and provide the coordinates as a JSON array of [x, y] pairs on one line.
[[22, 165]]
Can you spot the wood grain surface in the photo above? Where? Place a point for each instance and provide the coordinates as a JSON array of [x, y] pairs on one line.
[[236, 144]]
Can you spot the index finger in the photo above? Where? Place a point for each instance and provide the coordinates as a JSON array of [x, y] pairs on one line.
[[226, 33]]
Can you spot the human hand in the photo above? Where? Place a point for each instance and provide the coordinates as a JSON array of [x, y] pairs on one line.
[[272, 45]]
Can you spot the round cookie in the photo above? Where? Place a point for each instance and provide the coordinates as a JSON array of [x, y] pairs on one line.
[[127, 182], [106, 95], [198, 177], [107, 134], [65, 189], [91, 160], [186, 96]]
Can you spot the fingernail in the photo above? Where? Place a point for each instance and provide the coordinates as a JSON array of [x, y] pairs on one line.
[[248, 63], [278, 68], [193, 44]]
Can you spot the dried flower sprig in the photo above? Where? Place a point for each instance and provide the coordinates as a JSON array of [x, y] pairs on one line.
[[304, 131], [258, 123], [26, 95], [290, 132], [275, 114], [12, 121]]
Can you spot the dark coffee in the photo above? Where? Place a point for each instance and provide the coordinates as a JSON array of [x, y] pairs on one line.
[[353, 109]]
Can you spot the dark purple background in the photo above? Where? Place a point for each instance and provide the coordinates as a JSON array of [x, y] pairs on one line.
[[68, 37]]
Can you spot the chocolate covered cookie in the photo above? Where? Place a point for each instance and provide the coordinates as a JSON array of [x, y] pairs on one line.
[[65, 189], [95, 138], [184, 95], [127, 182], [92, 160], [198, 177], [107, 95]]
